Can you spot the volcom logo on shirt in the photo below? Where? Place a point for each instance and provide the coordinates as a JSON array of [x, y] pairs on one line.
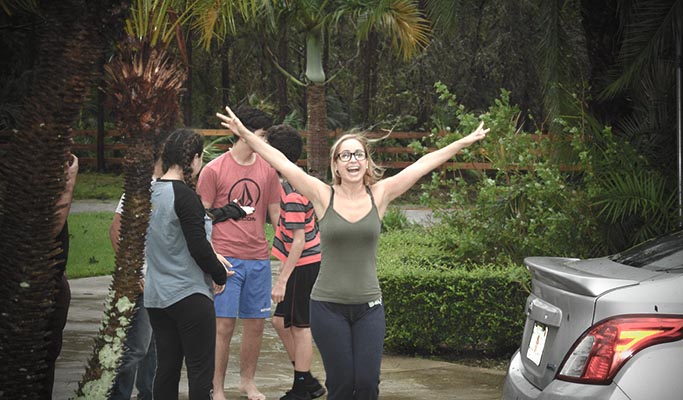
[[246, 192]]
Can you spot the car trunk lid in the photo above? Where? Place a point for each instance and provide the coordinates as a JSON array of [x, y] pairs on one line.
[[561, 306]]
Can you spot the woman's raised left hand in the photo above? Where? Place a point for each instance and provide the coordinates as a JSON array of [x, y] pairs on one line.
[[475, 136]]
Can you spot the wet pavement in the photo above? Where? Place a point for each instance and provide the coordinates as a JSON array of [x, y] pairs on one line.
[[403, 378]]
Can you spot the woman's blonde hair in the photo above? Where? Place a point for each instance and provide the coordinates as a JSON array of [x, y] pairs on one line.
[[373, 173]]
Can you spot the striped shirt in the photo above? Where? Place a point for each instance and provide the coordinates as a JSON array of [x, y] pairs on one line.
[[296, 212]]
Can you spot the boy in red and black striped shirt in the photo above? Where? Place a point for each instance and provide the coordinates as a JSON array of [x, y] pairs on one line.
[[297, 246]]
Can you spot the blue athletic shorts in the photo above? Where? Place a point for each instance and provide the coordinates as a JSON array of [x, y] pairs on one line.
[[247, 292]]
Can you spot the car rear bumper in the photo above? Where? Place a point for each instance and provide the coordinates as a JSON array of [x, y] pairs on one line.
[[517, 387]]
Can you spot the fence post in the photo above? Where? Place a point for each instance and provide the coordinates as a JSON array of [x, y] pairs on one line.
[[99, 154]]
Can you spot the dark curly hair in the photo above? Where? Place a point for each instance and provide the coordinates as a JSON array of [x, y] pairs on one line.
[[180, 148], [287, 140], [254, 119]]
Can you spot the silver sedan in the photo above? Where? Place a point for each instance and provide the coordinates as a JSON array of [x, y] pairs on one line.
[[605, 328]]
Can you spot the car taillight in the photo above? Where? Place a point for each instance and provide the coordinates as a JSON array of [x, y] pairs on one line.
[[600, 352]]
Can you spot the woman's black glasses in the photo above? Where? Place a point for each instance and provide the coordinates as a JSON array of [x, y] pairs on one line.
[[345, 155]]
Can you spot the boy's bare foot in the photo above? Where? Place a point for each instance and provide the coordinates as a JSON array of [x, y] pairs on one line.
[[249, 390], [218, 394]]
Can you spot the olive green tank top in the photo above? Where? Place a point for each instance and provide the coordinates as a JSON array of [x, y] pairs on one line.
[[348, 270]]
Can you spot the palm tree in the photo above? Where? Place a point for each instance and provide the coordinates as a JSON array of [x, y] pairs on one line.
[[401, 20], [144, 82], [33, 177]]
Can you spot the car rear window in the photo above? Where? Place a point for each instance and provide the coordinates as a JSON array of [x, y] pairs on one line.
[[662, 254]]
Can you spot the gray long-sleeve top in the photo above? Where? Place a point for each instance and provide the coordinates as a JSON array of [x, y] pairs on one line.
[[180, 259]]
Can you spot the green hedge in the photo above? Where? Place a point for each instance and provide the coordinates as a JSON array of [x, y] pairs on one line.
[[435, 306]]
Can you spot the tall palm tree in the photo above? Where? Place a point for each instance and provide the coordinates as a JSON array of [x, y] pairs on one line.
[[144, 83], [400, 20]]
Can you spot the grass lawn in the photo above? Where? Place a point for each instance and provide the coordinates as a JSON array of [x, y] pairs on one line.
[[90, 252], [96, 186]]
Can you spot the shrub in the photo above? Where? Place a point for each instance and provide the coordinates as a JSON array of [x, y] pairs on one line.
[[437, 305], [394, 219], [529, 204]]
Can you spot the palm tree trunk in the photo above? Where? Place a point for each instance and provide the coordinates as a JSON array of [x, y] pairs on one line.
[[145, 83], [125, 286], [32, 172], [317, 145]]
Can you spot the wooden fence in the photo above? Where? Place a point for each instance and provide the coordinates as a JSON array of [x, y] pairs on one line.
[[396, 156]]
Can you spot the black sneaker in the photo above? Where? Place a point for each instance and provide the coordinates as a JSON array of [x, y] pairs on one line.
[[315, 389], [290, 395]]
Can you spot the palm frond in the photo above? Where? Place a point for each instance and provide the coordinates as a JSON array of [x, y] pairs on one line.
[[217, 19], [639, 193], [10, 6], [294, 120], [562, 50], [211, 21], [651, 29], [401, 20], [215, 148], [155, 22], [633, 126], [286, 73], [651, 123], [443, 13]]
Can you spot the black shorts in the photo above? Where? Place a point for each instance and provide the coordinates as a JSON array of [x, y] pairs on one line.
[[295, 307]]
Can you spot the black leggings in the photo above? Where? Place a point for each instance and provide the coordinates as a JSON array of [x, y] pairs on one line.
[[350, 338], [186, 329]]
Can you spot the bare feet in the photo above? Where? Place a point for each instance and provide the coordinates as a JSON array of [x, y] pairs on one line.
[[249, 390], [218, 394]]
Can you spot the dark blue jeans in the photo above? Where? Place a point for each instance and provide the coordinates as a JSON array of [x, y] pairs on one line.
[[350, 338], [139, 359]]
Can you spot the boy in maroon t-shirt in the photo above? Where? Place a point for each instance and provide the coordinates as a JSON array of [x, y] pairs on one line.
[[243, 177]]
